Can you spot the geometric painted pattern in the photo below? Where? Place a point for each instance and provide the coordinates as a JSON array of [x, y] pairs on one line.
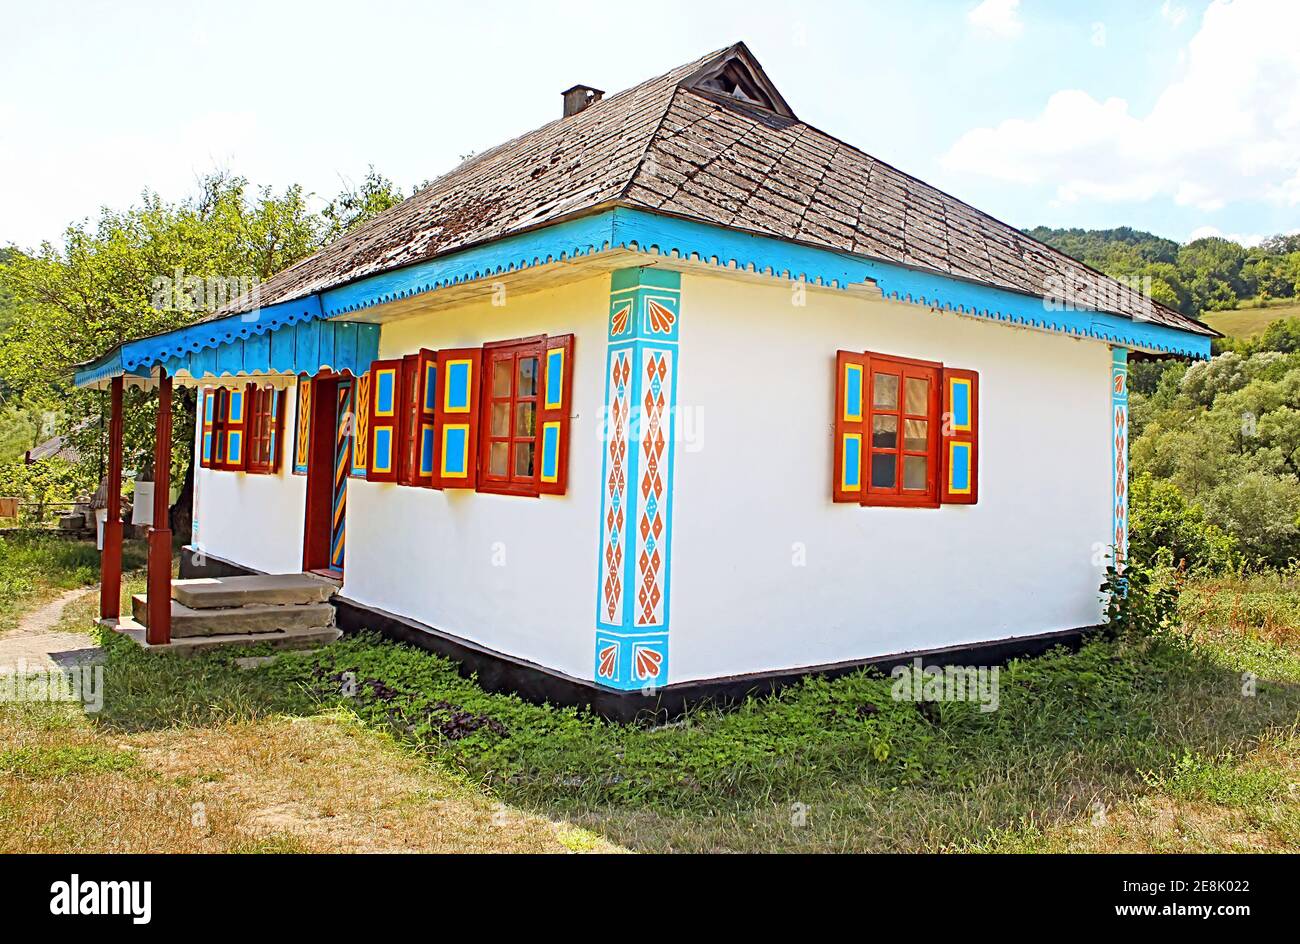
[[1119, 453], [656, 381], [615, 494], [634, 587]]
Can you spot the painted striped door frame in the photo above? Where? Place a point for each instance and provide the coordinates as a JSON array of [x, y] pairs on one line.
[[342, 471]]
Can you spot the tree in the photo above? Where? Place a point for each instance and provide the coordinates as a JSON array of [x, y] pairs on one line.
[[354, 206], [135, 273]]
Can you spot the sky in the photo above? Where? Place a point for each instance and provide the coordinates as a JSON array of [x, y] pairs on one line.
[[1181, 117]]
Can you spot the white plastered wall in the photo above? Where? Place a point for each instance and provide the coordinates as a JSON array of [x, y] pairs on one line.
[[515, 574], [768, 573]]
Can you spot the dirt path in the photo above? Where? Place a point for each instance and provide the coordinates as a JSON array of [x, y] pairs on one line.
[[35, 643]]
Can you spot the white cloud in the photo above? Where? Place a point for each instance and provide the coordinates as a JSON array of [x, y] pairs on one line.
[[1173, 14], [1227, 129], [999, 18]]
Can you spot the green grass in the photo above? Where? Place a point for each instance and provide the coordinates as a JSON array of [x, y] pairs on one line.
[[33, 566], [825, 765], [43, 763], [1248, 322], [871, 773]]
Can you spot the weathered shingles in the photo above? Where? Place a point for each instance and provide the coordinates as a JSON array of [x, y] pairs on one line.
[[671, 149]]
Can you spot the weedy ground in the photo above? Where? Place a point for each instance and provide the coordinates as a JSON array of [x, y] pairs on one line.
[[1161, 744]]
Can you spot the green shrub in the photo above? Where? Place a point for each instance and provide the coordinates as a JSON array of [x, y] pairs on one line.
[[1164, 529]]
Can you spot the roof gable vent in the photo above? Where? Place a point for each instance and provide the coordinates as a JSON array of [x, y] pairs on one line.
[[736, 75], [579, 97]]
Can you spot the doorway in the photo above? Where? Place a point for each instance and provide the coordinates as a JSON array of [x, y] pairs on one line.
[[329, 464]]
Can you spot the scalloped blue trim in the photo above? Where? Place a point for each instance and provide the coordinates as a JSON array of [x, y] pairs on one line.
[[625, 228]]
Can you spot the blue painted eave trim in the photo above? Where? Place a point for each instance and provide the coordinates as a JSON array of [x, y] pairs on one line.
[[669, 236], [627, 228]]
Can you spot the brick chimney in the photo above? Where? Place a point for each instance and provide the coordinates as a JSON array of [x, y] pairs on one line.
[[579, 97]]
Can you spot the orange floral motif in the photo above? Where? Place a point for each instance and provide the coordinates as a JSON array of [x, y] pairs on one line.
[[661, 319], [618, 319], [647, 662], [608, 661]]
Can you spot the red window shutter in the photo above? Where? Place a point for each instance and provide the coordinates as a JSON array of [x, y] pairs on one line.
[[384, 455], [960, 447], [234, 432], [407, 473], [207, 444], [556, 404], [456, 417], [851, 449], [302, 427], [424, 447], [277, 430]]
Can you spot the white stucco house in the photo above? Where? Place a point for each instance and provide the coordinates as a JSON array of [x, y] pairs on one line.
[[674, 396]]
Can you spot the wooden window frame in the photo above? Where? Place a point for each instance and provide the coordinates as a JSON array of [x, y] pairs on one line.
[[493, 352], [903, 368], [264, 429]]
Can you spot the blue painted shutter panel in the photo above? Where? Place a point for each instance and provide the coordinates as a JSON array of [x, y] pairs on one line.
[[425, 450], [959, 455], [384, 454], [553, 418], [233, 434], [456, 419], [207, 444], [850, 413]]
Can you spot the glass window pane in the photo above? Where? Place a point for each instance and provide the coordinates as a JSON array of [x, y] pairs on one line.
[[524, 459], [883, 466], [526, 419], [884, 432], [501, 377], [501, 418], [914, 471], [527, 377], [499, 458], [885, 391], [917, 395], [915, 434]]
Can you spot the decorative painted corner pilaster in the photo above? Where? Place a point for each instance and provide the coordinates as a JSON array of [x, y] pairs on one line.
[[1119, 452], [632, 595]]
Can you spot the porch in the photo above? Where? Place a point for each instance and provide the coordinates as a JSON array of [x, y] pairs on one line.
[[284, 611]]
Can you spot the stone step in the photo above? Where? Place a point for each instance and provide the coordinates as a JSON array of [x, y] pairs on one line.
[[205, 593], [193, 645], [243, 620]]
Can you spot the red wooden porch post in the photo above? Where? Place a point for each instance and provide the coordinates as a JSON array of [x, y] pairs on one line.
[[159, 632], [110, 561]]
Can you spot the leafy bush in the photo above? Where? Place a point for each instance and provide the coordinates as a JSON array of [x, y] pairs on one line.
[[1164, 529], [1141, 601]]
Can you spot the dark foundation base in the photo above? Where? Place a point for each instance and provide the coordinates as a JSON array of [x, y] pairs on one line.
[[498, 672]]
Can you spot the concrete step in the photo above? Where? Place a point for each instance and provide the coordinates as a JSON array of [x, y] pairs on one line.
[[243, 620], [193, 645], [207, 593]]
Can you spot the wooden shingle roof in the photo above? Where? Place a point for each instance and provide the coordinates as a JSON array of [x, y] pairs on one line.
[[676, 145]]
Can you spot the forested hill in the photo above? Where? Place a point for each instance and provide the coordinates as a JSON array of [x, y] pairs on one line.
[[1207, 274]]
